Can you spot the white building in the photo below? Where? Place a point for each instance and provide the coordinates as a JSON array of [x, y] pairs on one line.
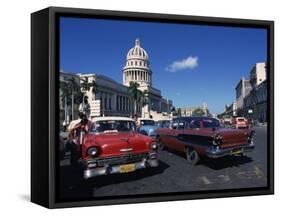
[[258, 74], [111, 97], [243, 89]]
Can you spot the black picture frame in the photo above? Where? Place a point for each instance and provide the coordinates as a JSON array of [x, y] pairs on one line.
[[44, 103]]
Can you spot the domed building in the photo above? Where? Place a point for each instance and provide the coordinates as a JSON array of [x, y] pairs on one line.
[[112, 98], [137, 66], [137, 69]]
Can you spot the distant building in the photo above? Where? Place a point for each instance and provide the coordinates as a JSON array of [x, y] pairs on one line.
[[255, 104], [258, 74], [231, 109], [189, 111], [243, 88]]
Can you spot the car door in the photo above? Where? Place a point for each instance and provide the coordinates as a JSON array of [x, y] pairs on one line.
[[177, 144], [171, 134]]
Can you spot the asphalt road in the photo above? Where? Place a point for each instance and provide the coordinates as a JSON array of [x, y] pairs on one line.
[[173, 175]]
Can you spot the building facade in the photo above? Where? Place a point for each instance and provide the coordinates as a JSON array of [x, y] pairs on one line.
[[251, 94], [231, 110], [243, 88], [189, 111], [111, 98]]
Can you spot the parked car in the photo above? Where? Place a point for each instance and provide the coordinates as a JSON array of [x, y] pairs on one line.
[[147, 127], [227, 120], [204, 136], [240, 122], [112, 145]]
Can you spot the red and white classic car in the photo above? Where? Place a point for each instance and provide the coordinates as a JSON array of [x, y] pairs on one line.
[[203, 136], [113, 145]]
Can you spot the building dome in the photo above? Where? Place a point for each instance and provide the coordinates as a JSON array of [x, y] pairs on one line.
[[137, 52], [136, 68]]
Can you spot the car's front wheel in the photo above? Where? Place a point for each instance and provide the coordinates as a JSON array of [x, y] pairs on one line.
[[192, 156]]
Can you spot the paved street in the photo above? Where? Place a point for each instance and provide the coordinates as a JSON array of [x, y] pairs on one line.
[[174, 175]]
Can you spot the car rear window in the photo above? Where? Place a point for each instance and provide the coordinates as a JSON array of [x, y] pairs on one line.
[[210, 123]]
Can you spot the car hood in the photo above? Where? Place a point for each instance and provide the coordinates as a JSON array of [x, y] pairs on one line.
[[116, 144]]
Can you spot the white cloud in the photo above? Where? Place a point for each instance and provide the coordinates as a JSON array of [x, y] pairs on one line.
[[188, 63]]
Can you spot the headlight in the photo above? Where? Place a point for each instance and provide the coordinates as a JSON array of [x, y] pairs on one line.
[[93, 151], [217, 140], [153, 146]]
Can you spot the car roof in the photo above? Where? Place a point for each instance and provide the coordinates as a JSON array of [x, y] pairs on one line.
[[112, 118], [192, 118], [145, 119]]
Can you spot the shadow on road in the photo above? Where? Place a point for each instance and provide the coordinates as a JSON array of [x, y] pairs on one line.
[[218, 163], [225, 162]]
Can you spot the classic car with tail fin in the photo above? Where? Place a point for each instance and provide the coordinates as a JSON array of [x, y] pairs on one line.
[[204, 136]]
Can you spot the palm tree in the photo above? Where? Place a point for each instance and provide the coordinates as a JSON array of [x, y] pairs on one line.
[[137, 95], [198, 112], [75, 90], [65, 93], [85, 85]]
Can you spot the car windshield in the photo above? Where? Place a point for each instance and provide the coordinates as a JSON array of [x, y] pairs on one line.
[[147, 122], [164, 124], [241, 119], [210, 123], [109, 126]]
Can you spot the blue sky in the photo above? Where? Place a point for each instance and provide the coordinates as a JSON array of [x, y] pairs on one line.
[[191, 64]]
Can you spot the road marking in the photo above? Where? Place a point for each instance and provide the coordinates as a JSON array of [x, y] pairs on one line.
[[224, 178], [205, 180], [258, 171]]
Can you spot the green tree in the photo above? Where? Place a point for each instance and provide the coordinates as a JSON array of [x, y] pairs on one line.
[[75, 91], [198, 112], [137, 95], [65, 94], [85, 86]]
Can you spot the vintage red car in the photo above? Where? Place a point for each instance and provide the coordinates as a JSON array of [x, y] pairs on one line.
[[113, 145], [204, 136]]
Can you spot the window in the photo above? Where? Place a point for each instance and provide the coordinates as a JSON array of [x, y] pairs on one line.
[[175, 123], [210, 123], [109, 101], [195, 124], [117, 103], [181, 125], [105, 102]]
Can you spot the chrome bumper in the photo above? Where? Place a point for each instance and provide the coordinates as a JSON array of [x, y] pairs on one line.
[[105, 170], [213, 152]]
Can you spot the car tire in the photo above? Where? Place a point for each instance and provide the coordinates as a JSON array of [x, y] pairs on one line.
[[192, 156]]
